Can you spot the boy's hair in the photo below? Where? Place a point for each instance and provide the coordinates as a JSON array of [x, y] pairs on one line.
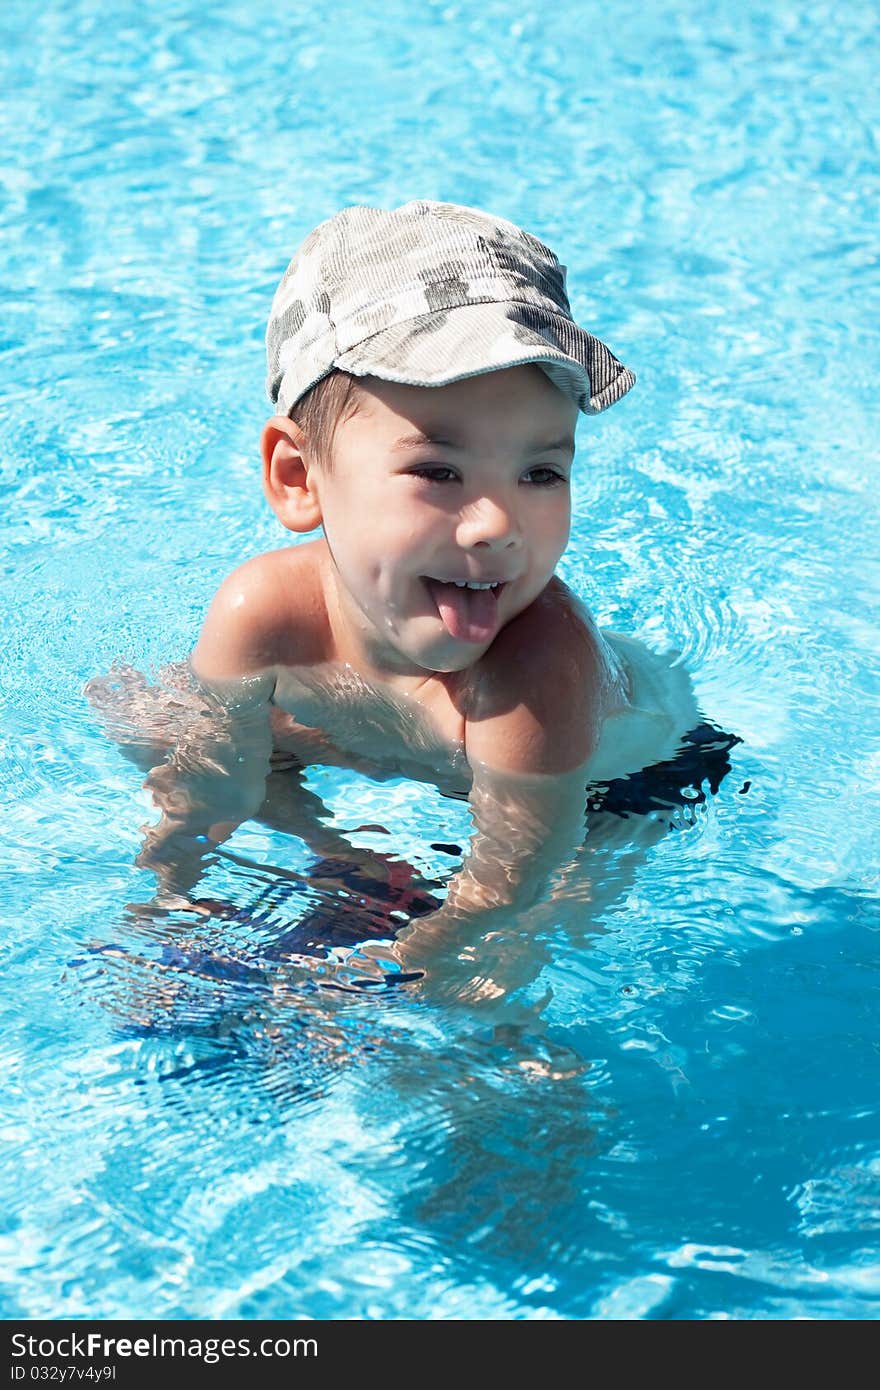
[[321, 410]]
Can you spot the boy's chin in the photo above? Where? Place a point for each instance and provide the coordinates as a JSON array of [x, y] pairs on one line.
[[451, 665], [446, 657]]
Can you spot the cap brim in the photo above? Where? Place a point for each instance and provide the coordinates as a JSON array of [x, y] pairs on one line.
[[435, 349]]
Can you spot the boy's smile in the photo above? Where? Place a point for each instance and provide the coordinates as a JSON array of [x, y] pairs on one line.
[[445, 511]]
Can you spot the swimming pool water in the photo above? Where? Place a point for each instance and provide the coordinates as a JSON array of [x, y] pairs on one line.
[[197, 1129]]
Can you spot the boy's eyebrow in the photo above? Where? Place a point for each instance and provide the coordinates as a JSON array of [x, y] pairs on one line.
[[419, 439]]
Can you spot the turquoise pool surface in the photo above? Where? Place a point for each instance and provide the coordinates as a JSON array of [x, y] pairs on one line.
[[194, 1128]]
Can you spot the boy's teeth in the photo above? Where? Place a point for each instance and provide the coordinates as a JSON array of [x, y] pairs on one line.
[[468, 584]]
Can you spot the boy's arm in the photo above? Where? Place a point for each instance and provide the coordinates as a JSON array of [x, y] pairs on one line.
[[212, 781], [215, 775], [533, 724]]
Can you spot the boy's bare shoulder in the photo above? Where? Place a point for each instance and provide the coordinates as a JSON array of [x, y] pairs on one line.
[[268, 612], [540, 694]]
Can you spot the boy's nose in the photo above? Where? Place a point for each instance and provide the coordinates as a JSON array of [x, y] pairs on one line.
[[489, 523]]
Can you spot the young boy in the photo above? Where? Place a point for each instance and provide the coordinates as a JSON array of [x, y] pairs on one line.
[[427, 378]]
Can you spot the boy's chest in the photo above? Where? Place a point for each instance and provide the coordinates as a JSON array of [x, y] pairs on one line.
[[413, 732]]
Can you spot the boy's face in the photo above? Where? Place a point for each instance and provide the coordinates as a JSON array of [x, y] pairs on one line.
[[433, 485]]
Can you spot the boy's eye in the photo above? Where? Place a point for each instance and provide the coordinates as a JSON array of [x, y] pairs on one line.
[[434, 473], [545, 476]]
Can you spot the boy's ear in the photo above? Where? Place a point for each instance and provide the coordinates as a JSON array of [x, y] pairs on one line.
[[288, 482]]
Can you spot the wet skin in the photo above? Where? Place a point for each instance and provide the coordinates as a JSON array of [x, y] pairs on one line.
[[364, 646]]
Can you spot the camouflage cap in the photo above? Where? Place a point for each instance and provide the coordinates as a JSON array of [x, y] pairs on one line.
[[427, 294]]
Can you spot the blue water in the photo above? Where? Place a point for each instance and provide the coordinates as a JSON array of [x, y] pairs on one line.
[[212, 1133]]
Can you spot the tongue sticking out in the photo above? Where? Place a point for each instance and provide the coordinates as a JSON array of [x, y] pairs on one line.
[[469, 615]]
